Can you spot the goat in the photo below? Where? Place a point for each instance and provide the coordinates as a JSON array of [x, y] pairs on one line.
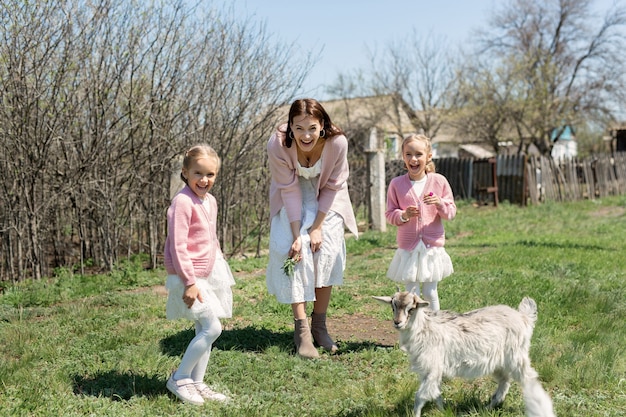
[[492, 340]]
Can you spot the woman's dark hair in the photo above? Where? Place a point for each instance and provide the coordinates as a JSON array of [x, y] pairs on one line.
[[313, 108]]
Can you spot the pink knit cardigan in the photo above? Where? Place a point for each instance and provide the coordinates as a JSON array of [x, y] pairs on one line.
[[332, 187], [191, 244], [401, 194]]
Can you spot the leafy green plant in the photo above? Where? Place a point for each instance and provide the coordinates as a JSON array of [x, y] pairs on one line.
[[289, 266]]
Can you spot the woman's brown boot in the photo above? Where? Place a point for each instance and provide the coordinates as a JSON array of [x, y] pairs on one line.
[[320, 333], [303, 341]]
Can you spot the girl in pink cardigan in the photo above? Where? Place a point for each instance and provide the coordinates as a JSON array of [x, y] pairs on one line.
[[199, 279], [309, 209], [416, 203]]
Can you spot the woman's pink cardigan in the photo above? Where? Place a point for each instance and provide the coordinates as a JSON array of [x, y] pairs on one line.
[[401, 194], [191, 244], [332, 187]]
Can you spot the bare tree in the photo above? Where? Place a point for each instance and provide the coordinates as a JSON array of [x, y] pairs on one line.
[[32, 128], [485, 94], [565, 65], [244, 80], [420, 75], [410, 87], [98, 99]]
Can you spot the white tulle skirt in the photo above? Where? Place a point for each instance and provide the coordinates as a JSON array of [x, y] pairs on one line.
[[421, 264], [216, 293]]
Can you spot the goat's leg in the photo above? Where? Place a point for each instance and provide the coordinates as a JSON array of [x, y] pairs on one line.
[[439, 402], [428, 390], [419, 404], [504, 383]]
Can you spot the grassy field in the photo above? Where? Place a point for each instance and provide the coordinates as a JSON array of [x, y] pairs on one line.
[[100, 345]]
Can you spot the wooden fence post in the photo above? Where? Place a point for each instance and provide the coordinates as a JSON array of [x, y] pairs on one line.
[[375, 152], [176, 183]]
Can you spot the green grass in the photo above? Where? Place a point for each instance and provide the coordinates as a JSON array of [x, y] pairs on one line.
[[100, 345]]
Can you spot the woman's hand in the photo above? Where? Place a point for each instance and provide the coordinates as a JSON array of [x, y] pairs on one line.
[[191, 294], [316, 239], [296, 248]]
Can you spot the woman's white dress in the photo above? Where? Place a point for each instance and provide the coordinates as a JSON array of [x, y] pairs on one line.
[[323, 268]]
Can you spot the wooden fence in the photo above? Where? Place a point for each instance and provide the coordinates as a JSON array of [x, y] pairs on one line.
[[525, 180]]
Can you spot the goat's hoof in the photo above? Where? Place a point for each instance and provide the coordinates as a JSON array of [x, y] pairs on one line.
[[495, 405]]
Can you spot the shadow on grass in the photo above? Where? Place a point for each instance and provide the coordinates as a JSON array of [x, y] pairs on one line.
[[247, 339], [118, 386], [377, 411], [357, 346], [404, 407], [253, 339], [469, 405]]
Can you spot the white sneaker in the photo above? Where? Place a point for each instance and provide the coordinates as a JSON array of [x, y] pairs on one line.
[[185, 390], [208, 394]]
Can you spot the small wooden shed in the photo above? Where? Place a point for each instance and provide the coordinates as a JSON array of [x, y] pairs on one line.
[[618, 138]]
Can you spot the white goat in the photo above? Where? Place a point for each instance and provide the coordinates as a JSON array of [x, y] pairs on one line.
[[489, 341]]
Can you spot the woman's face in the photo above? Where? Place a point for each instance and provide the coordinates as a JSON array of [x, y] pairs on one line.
[[306, 131]]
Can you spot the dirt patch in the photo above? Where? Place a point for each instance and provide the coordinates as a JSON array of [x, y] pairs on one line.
[[157, 289], [361, 328], [160, 289], [609, 212], [345, 328]]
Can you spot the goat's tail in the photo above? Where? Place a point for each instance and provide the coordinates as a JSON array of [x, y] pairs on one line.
[[528, 307], [537, 400]]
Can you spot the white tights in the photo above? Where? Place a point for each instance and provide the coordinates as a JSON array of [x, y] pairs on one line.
[[196, 357], [429, 292]]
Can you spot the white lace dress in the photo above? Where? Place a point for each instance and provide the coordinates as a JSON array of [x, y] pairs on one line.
[[324, 268]]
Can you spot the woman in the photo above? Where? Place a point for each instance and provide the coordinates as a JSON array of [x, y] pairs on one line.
[[309, 209]]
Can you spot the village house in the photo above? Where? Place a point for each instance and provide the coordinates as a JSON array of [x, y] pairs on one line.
[[391, 124]]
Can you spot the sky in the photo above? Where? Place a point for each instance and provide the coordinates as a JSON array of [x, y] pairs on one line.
[[345, 29]]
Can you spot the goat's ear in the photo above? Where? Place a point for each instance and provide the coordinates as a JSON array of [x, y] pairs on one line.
[[418, 302], [384, 300]]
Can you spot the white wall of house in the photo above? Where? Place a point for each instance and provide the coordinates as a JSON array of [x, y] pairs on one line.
[[565, 149]]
